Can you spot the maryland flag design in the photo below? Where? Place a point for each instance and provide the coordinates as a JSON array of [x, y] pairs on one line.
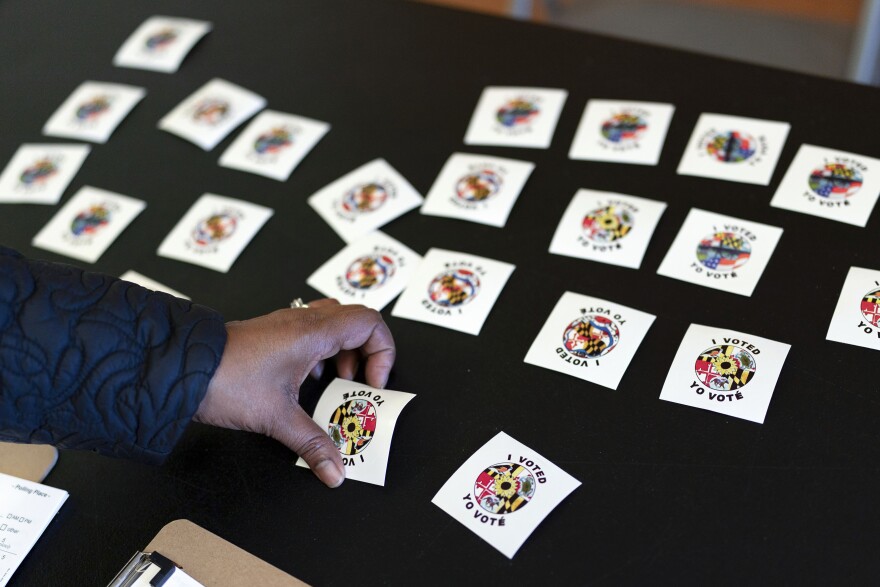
[[92, 109], [273, 142], [607, 224], [871, 307], [591, 336], [835, 181], [454, 288], [364, 198], [724, 251], [91, 220], [731, 147], [214, 228], [160, 40], [477, 187], [370, 272], [352, 426], [504, 488], [725, 367], [211, 111], [517, 112], [624, 128], [39, 172]]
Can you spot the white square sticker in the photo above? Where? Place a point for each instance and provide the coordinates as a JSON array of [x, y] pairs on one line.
[[144, 281], [477, 188], [516, 117], [39, 174], [856, 318], [590, 338], [360, 421], [93, 111], [453, 290], [725, 371], [622, 132], [211, 113], [831, 184], [503, 492], [214, 232], [273, 144], [371, 271], [365, 199], [720, 252], [88, 224], [161, 43], [734, 148], [607, 227]]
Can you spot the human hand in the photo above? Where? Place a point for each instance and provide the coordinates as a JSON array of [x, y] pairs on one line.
[[266, 359]]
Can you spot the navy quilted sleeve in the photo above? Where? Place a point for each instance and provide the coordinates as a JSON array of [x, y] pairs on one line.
[[88, 361]]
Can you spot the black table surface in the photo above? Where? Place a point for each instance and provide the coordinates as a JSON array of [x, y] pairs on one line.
[[669, 494]]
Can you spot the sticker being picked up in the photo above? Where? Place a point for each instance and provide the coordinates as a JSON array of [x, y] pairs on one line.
[[161, 43], [365, 199], [622, 132], [590, 338], [360, 421], [88, 223], [831, 184], [39, 174], [453, 290], [478, 188], [214, 232], [516, 117], [856, 318], [503, 492], [725, 371], [211, 113], [370, 271], [734, 148], [93, 111], [144, 281], [273, 144], [720, 252], [607, 227]]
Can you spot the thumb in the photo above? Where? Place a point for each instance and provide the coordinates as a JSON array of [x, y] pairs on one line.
[[304, 437]]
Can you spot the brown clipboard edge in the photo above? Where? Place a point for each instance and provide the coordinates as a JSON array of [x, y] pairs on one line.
[[31, 462], [213, 561]]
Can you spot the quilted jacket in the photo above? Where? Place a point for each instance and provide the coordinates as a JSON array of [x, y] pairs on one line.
[[88, 361]]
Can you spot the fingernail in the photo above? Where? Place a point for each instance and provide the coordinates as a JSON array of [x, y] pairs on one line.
[[318, 370], [330, 473]]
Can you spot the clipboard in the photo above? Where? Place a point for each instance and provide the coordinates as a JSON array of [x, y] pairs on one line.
[[214, 562], [31, 462]]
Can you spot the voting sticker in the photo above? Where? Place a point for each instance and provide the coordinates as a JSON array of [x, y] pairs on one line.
[[144, 281], [365, 199], [607, 227], [39, 173], [360, 421], [273, 144], [590, 338], [831, 184], [214, 232], [725, 371], [503, 492], [161, 43], [453, 290], [734, 148], [211, 113], [622, 132], [88, 224], [371, 271], [516, 117], [856, 318], [93, 111], [720, 252], [477, 188]]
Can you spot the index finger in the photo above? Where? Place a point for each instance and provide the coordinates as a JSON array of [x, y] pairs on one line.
[[358, 327]]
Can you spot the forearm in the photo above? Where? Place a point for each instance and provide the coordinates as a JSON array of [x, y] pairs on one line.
[[88, 361]]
